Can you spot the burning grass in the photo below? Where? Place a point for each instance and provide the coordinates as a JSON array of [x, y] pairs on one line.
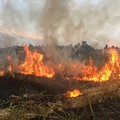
[[74, 93], [85, 87], [34, 64]]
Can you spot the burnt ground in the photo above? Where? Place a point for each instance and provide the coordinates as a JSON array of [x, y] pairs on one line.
[[13, 86], [107, 110], [33, 84]]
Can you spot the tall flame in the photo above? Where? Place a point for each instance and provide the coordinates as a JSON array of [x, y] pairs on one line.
[[110, 69], [34, 65], [90, 71]]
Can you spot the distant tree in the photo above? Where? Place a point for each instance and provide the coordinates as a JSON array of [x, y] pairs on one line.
[[84, 44], [77, 47], [106, 46]]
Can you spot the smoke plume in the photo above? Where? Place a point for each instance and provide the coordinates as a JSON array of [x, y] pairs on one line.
[[63, 22]]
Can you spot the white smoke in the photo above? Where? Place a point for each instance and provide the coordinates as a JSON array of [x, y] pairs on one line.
[[61, 21]]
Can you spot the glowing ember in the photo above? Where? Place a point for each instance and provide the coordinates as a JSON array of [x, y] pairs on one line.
[[34, 65], [74, 93], [10, 68], [1, 73]]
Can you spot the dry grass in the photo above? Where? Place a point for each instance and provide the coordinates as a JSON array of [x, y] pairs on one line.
[[36, 107]]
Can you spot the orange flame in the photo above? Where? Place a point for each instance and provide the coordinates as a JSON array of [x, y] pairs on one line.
[[90, 72], [9, 61], [1, 73], [74, 93], [34, 65], [110, 69], [10, 68]]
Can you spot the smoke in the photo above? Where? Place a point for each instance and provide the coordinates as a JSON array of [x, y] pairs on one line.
[[54, 14], [98, 23], [69, 22], [63, 22], [17, 22]]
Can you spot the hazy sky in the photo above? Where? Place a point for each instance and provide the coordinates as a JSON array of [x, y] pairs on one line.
[[65, 21]]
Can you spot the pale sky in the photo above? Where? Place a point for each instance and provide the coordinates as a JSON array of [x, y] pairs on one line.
[[96, 21]]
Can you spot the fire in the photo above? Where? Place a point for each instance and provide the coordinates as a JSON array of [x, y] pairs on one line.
[[10, 68], [34, 65], [1, 73], [110, 69], [90, 72], [114, 57], [74, 93], [105, 73], [9, 59]]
